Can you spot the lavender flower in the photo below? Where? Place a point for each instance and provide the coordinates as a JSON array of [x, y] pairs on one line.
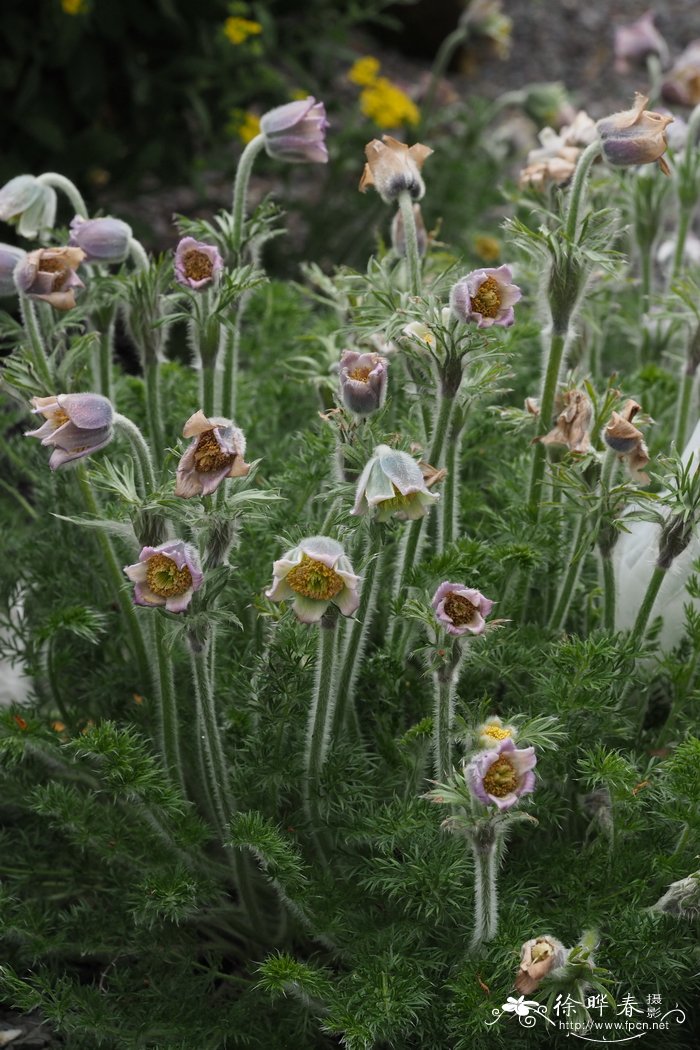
[[461, 610], [49, 274], [76, 425], [682, 83], [197, 264], [393, 167], [215, 453], [393, 482], [538, 957], [24, 201], [9, 257], [486, 296], [502, 775], [315, 573], [635, 41], [167, 575], [492, 731], [635, 136], [362, 381], [103, 240], [296, 132]]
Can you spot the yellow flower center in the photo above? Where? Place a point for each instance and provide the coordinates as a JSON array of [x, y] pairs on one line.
[[59, 417], [496, 732], [460, 610], [209, 456], [164, 577], [487, 300], [360, 374], [398, 501], [541, 950], [197, 265], [313, 579], [501, 778]]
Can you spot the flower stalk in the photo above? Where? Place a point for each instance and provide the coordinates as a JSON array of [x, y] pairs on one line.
[[240, 188], [320, 721], [411, 235], [71, 191]]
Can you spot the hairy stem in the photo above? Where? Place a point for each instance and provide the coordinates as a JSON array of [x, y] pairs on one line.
[[153, 407], [566, 591], [141, 451], [71, 191], [411, 237], [640, 625], [36, 341], [240, 188], [319, 724], [169, 724]]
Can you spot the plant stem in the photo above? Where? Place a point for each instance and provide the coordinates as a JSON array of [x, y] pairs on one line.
[[449, 504], [411, 238], [230, 349], [105, 360], [443, 717], [549, 390], [138, 255], [440, 65], [240, 188], [638, 631], [141, 450], [485, 891], [167, 701], [209, 388], [153, 406], [568, 586], [685, 399], [577, 186], [36, 341], [60, 182], [319, 723], [608, 592]]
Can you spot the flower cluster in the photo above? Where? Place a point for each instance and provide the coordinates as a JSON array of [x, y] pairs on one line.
[[381, 99]]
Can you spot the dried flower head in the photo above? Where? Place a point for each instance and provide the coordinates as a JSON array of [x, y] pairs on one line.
[[538, 957], [315, 573], [623, 437], [49, 274], [197, 264], [461, 610], [363, 379], [393, 483], [75, 426], [635, 136], [555, 171], [573, 423], [500, 776], [486, 297], [492, 731], [296, 132], [167, 575], [215, 453], [393, 167]]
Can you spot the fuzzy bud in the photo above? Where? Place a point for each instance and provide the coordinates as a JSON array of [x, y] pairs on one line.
[[103, 240], [363, 379], [635, 136], [296, 132]]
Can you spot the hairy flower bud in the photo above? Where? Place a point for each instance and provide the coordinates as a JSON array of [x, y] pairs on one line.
[[103, 240], [29, 204], [393, 167], [681, 899], [363, 380], [296, 132], [76, 425], [393, 483], [461, 610], [9, 257], [50, 274], [315, 573], [166, 575], [635, 136]]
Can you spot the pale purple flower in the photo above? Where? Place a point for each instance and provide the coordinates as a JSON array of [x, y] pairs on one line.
[[29, 204], [216, 452], [682, 83], [363, 380], [635, 136], [635, 41], [296, 132], [486, 296], [76, 425], [393, 484], [461, 610], [50, 274], [315, 573], [502, 775], [197, 264], [104, 240], [9, 257], [167, 575]]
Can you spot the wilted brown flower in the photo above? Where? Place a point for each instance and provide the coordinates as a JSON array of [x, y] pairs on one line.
[[573, 424], [554, 171], [635, 136], [393, 167], [538, 957], [624, 438], [50, 274]]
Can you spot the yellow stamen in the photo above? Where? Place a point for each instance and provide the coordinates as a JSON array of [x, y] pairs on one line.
[[165, 579], [496, 732], [209, 456], [313, 579], [197, 265], [460, 610], [501, 778], [487, 300], [361, 374]]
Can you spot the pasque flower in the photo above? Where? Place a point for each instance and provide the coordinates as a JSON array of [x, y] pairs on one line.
[[500, 776], [635, 41], [623, 437], [393, 167], [486, 297], [50, 274], [296, 132], [635, 136], [573, 424], [167, 575], [538, 957], [215, 453], [9, 257], [104, 240], [29, 204], [197, 264], [393, 483], [315, 573], [492, 731], [75, 425], [363, 380], [682, 83], [461, 610]]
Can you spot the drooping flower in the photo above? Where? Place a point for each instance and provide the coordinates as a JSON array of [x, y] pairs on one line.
[[635, 136], [623, 437], [393, 483], [29, 204], [166, 575], [461, 610], [538, 957], [296, 132], [9, 257], [492, 731], [76, 425], [363, 379], [486, 296], [393, 167], [215, 453], [315, 573], [50, 274], [682, 83], [398, 233], [573, 423], [103, 240], [502, 775], [197, 264], [635, 41]]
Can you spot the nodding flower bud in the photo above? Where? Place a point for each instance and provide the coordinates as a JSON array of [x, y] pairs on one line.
[[215, 453], [393, 483], [635, 41], [461, 610], [9, 257], [681, 899], [393, 167], [538, 957], [197, 264], [50, 274], [103, 240], [315, 573], [624, 438], [486, 297], [29, 204], [573, 424], [362, 381], [635, 136], [167, 575], [682, 83], [76, 425], [398, 233], [296, 132], [500, 776]]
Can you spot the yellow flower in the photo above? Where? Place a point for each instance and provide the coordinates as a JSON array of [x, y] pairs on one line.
[[74, 7], [487, 248], [298, 94], [387, 105], [246, 126], [364, 71], [239, 29]]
